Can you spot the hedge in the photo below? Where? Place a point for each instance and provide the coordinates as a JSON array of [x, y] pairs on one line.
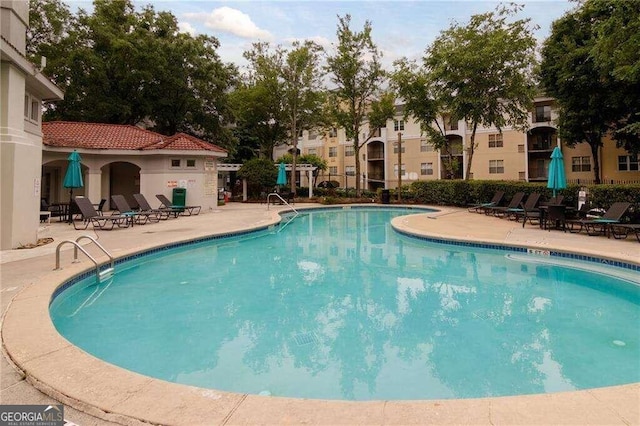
[[462, 193]]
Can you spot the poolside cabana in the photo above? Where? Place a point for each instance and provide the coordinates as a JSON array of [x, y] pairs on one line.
[[124, 159]]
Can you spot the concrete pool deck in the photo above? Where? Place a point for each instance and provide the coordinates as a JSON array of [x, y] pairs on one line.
[[101, 393]]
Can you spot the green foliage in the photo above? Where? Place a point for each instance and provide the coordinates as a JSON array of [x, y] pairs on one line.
[[590, 64], [120, 66], [470, 192], [412, 84], [288, 83], [261, 174], [357, 75], [483, 72]]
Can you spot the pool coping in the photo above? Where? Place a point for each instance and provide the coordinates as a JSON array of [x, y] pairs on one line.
[[112, 393]]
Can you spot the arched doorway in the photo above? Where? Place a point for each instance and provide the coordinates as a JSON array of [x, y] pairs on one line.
[[122, 178]]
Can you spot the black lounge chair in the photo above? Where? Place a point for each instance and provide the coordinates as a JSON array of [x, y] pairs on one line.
[[91, 216], [187, 210], [531, 205], [622, 230], [163, 213], [601, 225], [139, 217], [495, 201], [515, 202]]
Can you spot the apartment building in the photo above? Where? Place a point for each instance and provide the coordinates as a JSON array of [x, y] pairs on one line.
[[512, 154]]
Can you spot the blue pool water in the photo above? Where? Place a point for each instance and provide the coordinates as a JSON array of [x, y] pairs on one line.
[[339, 306]]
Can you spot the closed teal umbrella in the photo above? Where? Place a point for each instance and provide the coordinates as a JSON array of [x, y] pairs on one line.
[[557, 177], [73, 177], [282, 175]]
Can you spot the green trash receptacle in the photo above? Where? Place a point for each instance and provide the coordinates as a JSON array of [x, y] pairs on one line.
[[179, 197]]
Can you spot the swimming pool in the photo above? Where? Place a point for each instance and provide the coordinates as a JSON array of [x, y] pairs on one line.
[[339, 306]]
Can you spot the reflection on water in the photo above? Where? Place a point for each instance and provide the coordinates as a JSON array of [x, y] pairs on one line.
[[338, 306]]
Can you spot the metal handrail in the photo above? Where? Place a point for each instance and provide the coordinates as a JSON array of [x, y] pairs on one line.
[[281, 199], [75, 250], [77, 247]]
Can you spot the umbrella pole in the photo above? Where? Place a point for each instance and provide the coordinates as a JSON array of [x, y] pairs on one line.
[[69, 208]]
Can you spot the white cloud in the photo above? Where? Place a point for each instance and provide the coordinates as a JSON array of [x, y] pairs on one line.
[[185, 27], [231, 21]]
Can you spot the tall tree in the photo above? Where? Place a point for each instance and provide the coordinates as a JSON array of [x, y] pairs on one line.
[[570, 74], [413, 86], [616, 51], [483, 71], [296, 79], [120, 66], [358, 76]]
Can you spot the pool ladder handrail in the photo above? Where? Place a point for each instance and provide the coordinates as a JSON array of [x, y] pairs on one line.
[[281, 199], [76, 246]]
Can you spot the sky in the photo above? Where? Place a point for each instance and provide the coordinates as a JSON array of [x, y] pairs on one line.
[[400, 28]]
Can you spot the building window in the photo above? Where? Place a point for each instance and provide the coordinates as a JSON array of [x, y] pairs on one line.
[[395, 170], [496, 166], [333, 132], [426, 146], [426, 169], [191, 163], [176, 163], [32, 107], [333, 151], [333, 170], [313, 135], [398, 125], [312, 151], [349, 151], [395, 148], [521, 148], [495, 141], [543, 113], [350, 170], [628, 163], [580, 164]]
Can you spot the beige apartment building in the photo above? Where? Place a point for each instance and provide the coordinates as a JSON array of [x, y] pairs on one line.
[[512, 154]]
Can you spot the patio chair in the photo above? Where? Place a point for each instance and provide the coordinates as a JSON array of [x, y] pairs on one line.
[[163, 213], [515, 202], [600, 225], [495, 201], [555, 217], [187, 210], [139, 217], [531, 204], [91, 216], [622, 230], [557, 200]]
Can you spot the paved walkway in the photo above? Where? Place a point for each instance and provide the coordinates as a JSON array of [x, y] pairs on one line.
[[114, 395]]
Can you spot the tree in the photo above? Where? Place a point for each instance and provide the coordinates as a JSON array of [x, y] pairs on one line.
[[483, 72], [358, 76], [120, 66], [413, 86], [294, 79], [49, 23], [261, 174], [616, 51]]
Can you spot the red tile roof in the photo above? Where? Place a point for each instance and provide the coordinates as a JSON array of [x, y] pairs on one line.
[[67, 134]]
